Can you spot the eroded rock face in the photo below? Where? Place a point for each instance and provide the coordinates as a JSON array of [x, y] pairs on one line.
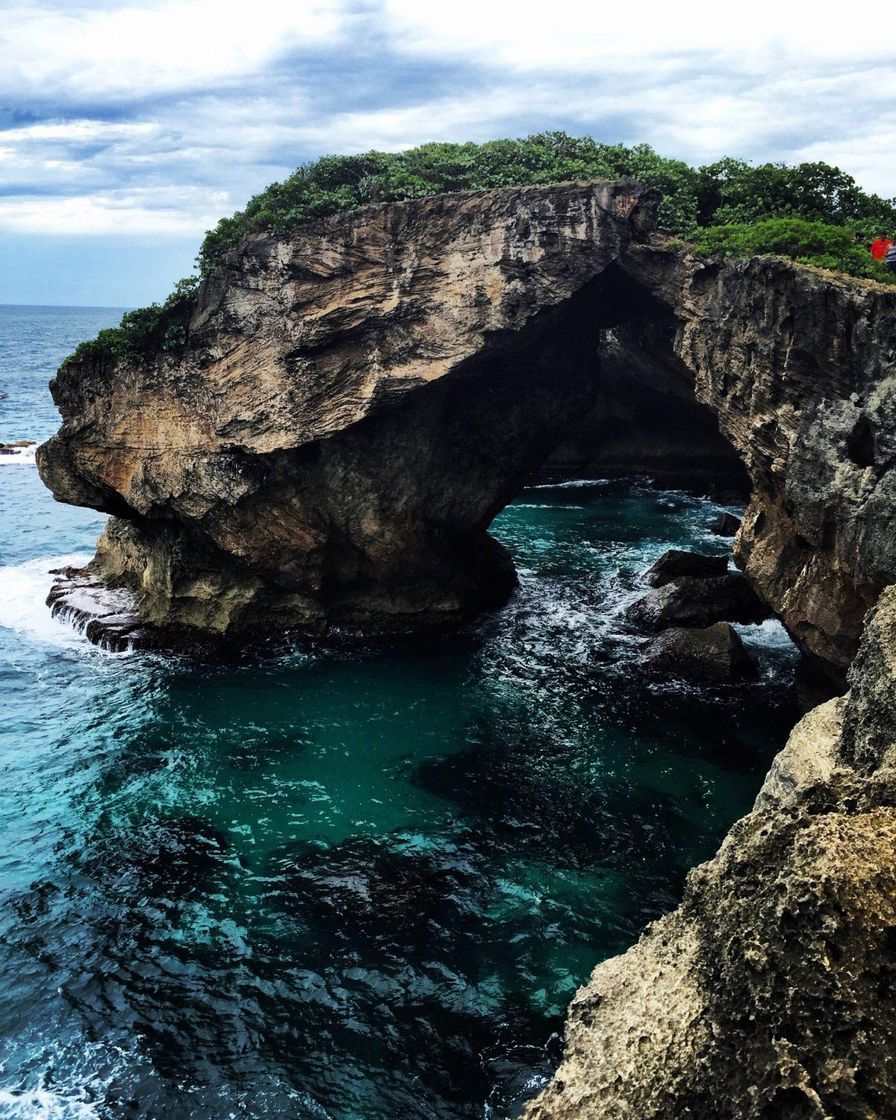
[[770, 994], [353, 407], [799, 366], [355, 402]]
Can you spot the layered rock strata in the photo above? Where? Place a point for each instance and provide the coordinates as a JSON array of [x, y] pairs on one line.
[[770, 993], [354, 402], [353, 406]]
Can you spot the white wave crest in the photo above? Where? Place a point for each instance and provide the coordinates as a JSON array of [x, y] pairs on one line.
[[19, 457], [23, 601], [42, 1104]]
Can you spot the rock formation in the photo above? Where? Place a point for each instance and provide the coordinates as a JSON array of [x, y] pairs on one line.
[[770, 993], [714, 654], [676, 562], [352, 408], [353, 403], [698, 601]]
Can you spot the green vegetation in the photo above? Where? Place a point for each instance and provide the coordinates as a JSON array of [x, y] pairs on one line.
[[816, 243], [804, 211], [146, 330]]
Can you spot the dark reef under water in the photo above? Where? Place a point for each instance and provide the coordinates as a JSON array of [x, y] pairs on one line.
[[358, 884]]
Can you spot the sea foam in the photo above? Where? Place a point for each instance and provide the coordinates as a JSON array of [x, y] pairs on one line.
[[19, 457], [23, 606]]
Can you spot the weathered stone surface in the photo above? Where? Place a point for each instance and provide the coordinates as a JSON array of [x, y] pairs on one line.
[[869, 734], [726, 526], [354, 405], [698, 601], [356, 401], [676, 562], [770, 993], [714, 654], [800, 368]]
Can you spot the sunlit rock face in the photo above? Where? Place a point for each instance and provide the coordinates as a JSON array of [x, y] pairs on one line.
[[357, 400], [354, 405], [768, 994]]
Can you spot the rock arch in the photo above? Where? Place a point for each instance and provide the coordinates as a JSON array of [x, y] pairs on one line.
[[356, 402]]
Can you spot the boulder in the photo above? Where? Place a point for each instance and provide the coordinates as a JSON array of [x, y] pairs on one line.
[[676, 562], [693, 601], [714, 654], [726, 526]]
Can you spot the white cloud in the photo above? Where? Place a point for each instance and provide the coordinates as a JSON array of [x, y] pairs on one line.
[[532, 35], [207, 109], [123, 213], [167, 45]]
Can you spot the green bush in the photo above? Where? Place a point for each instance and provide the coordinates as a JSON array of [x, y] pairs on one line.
[[815, 243], [726, 197], [145, 331]]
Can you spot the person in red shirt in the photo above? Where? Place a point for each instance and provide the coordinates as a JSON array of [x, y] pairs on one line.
[[879, 247]]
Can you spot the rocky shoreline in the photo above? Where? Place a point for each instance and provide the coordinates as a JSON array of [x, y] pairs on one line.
[[769, 992], [348, 411]]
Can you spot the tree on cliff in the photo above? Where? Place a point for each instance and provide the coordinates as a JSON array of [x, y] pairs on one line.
[[728, 191], [727, 208]]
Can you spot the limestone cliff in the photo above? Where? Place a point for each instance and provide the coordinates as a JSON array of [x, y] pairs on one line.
[[799, 366], [353, 406], [355, 402], [769, 994]]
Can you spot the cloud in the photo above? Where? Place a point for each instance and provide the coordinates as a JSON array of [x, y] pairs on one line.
[[111, 51], [155, 117]]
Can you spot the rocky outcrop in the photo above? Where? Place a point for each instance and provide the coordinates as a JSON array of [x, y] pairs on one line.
[[769, 993], [799, 366], [714, 654], [698, 601], [676, 562], [351, 405]]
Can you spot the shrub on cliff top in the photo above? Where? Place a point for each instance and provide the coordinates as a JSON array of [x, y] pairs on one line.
[[815, 243], [146, 330], [730, 194]]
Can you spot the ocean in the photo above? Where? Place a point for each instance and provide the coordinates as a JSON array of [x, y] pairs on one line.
[[355, 884]]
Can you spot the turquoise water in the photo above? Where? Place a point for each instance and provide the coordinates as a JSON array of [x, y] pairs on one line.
[[359, 884]]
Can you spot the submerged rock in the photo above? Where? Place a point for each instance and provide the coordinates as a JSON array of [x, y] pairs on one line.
[[714, 654], [691, 601], [174, 858], [677, 562]]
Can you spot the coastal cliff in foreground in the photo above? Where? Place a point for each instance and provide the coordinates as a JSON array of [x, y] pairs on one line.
[[327, 441], [769, 993]]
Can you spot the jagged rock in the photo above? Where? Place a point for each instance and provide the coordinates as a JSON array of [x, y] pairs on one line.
[[770, 993], [726, 526], [714, 654], [692, 601], [677, 562], [356, 400], [869, 733], [107, 616]]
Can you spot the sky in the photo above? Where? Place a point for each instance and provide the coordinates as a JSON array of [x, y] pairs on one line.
[[128, 128]]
